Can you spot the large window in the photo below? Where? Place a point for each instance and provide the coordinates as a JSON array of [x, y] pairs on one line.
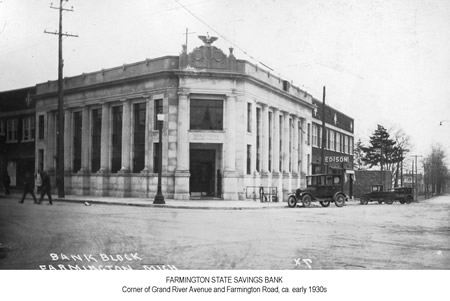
[[345, 144], [116, 143], [96, 139], [315, 136], [338, 142], [41, 127], [157, 110], [308, 133], [28, 128], [139, 137], [77, 134], [2, 127], [350, 145], [11, 130], [332, 143], [249, 117], [206, 114], [290, 144], [155, 157], [270, 140], [249, 159], [258, 138], [280, 126]]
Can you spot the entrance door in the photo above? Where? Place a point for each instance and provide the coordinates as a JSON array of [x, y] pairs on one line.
[[202, 169]]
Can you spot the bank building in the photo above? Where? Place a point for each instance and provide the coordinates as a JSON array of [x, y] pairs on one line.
[[228, 125]]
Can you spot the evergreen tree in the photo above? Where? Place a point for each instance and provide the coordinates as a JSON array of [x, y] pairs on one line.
[[382, 150]]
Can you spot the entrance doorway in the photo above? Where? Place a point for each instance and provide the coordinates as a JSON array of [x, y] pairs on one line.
[[202, 169]]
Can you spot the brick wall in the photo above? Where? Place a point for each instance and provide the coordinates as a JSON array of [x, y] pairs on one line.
[[366, 178]]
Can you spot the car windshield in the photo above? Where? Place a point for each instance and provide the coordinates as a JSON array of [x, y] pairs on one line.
[[323, 180]]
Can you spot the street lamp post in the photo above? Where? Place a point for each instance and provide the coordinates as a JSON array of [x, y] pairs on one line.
[[159, 198]]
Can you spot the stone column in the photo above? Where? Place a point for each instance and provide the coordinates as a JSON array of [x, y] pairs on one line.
[[105, 140], [85, 140], [295, 152], [68, 136], [85, 151], [51, 142], [276, 154], [276, 142], [105, 150], [229, 175], [286, 138], [182, 170], [302, 153], [265, 181], [126, 137], [124, 179]]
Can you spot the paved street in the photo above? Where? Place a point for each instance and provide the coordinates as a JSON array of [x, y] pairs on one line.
[[415, 236]]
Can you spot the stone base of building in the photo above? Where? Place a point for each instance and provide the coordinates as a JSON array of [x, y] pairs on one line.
[[181, 185], [286, 184], [230, 186]]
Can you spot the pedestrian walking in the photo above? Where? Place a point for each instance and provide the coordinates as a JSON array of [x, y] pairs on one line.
[[46, 188], [38, 181], [28, 187], [6, 183]]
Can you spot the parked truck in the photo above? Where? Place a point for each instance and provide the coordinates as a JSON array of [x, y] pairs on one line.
[[377, 194]]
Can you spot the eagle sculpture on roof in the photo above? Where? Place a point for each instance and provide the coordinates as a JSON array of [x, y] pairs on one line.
[[207, 39]]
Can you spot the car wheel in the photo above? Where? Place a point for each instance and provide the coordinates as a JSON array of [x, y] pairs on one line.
[[364, 201], [402, 202], [306, 200], [389, 201], [340, 200], [380, 202], [325, 203], [292, 201], [409, 200]]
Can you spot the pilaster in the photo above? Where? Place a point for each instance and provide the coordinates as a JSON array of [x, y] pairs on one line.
[[182, 170], [230, 175]]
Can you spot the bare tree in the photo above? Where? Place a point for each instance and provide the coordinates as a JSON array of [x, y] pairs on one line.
[[436, 171], [402, 146]]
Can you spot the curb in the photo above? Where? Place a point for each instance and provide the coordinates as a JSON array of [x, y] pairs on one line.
[[87, 201]]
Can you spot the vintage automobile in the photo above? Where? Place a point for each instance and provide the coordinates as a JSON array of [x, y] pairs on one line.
[[324, 188], [401, 194]]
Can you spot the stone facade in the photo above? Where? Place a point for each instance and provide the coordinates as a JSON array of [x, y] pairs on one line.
[[228, 125]]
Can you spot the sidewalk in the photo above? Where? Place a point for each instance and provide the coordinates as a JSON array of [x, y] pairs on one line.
[[148, 202]]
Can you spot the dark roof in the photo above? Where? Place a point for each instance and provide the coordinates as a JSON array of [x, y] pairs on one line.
[[19, 99]]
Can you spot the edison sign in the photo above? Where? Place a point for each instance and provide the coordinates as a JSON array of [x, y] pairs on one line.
[[337, 159]]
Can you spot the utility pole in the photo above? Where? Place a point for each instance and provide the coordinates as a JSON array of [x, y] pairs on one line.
[[60, 129], [416, 156], [322, 149]]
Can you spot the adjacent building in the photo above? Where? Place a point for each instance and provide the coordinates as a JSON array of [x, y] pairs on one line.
[[337, 146], [17, 134]]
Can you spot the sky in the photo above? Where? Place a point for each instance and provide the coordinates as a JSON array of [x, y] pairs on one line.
[[382, 62]]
